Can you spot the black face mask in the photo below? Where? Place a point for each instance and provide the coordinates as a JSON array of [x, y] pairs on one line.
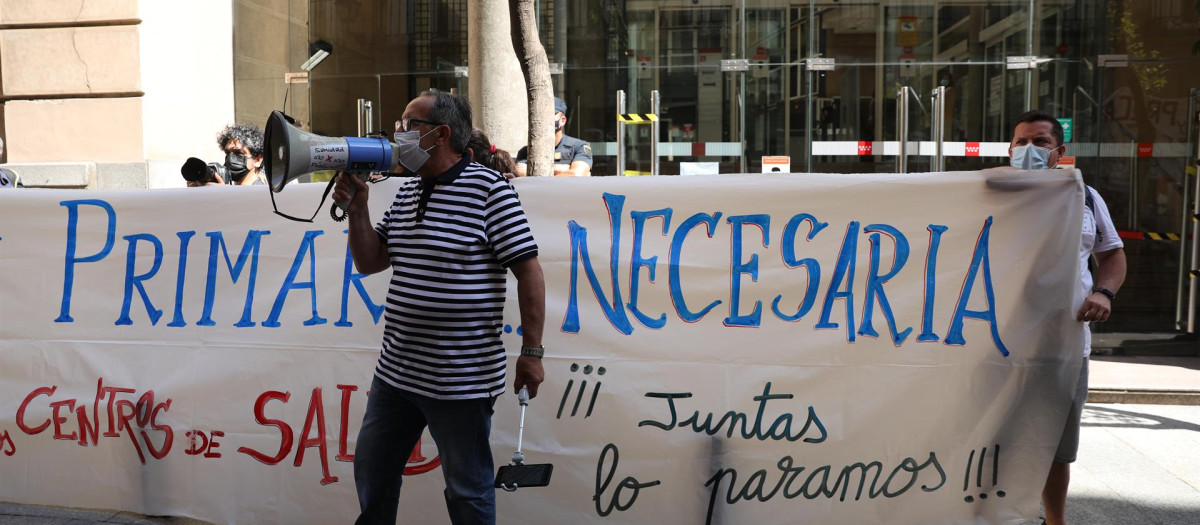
[[235, 166]]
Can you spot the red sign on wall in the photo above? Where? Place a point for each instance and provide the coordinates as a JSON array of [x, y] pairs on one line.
[[864, 147], [972, 149], [1145, 149]]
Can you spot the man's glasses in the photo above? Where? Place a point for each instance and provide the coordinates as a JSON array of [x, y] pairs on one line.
[[405, 125]]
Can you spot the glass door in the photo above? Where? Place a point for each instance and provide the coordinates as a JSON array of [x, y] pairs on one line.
[[850, 112], [1133, 109]]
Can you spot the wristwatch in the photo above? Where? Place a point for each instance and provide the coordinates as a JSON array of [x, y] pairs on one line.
[[1111, 295], [533, 351]]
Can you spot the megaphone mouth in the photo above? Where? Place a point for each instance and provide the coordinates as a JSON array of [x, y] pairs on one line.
[[276, 160], [292, 152]]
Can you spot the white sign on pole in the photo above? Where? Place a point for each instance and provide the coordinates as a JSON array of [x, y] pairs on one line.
[[777, 164], [699, 168]]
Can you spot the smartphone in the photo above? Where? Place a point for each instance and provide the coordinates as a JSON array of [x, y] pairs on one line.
[[518, 476]]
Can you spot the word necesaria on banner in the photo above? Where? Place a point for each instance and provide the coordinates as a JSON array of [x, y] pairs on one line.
[[619, 313]]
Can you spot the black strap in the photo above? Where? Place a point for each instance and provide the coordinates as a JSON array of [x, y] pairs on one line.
[[333, 210], [328, 188]]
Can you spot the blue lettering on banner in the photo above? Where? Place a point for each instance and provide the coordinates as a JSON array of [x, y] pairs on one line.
[[289, 283], [811, 266], [351, 277], [132, 281], [842, 272], [674, 282], [249, 252], [643, 271], [71, 259], [935, 240], [615, 312], [978, 260], [841, 284], [737, 268], [637, 262], [144, 259], [875, 282], [185, 238]]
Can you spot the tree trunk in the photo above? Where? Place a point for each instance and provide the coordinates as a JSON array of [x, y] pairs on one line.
[[540, 92]]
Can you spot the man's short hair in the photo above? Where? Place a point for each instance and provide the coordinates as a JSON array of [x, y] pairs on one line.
[[1035, 115], [453, 110], [249, 136]]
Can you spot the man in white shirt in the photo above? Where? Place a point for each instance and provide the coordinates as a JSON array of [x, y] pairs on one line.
[[1038, 143]]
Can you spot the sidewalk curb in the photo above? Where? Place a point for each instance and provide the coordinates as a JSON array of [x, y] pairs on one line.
[[1167, 344], [1143, 396]]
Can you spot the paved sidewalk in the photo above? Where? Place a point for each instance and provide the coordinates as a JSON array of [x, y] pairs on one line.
[[13, 514], [1138, 465]]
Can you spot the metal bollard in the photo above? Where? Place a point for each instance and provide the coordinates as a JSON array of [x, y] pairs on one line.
[[654, 133], [1184, 215], [620, 134], [366, 117], [939, 128], [902, 128], [1191, 323]]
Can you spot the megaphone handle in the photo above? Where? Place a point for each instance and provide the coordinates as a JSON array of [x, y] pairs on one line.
[[363, 176], [345, 205]]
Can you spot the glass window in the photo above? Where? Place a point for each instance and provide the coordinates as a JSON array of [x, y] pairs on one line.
[[1130, 123]]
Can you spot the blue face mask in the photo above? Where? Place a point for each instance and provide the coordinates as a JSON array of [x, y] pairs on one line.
[[1030, 157]]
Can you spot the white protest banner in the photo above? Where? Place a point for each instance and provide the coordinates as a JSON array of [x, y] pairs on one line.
[[730, 349]]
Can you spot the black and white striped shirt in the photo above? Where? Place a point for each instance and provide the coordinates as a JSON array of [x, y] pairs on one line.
[[450, 240]]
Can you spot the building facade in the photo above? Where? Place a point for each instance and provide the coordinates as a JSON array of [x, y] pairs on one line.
[[118, 93]]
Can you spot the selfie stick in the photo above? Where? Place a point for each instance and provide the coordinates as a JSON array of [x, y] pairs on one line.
[[518, 458]]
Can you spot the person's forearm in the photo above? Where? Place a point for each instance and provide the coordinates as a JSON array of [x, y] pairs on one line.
[[1110, 269], [581, 169], [531, 297], [576, 169], [368, 251]]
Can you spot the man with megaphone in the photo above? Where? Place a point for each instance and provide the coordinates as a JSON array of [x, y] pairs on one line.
[[448, 237]]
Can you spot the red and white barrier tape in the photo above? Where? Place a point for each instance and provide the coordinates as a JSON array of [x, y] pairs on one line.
[[916, 148]]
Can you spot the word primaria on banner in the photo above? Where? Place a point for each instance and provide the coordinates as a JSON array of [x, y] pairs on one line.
[[841, 285], [245, 264]]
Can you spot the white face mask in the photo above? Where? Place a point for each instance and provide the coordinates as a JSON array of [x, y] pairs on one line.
[[408, 145], [1030, 157]]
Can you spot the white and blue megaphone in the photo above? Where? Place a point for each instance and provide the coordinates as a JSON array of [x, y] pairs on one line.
[[292, 152]]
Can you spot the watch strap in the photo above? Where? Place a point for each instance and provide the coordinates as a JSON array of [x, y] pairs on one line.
[[533, 351], [1111, 295]]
